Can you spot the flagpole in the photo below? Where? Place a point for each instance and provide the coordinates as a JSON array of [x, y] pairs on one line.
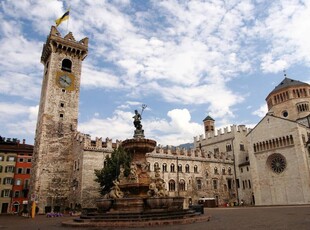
[[68, 24], [69, 8]]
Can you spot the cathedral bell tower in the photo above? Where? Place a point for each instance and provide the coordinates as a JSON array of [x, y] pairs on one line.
[[57, 120]]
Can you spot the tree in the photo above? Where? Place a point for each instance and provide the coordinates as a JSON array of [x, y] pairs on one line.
[[111, 169]]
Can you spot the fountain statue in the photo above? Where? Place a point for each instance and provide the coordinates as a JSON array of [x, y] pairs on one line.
[[139, 196]]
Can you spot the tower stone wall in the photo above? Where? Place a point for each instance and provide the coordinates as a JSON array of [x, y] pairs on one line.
[[57, 119]]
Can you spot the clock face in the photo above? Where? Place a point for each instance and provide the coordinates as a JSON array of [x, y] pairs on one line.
[[65, 81]]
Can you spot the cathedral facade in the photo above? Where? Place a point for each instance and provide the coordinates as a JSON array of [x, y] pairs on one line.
[[278, 147], [268, 165]]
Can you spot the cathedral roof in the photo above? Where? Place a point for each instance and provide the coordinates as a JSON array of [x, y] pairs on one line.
[[208, 118], [287, 82]]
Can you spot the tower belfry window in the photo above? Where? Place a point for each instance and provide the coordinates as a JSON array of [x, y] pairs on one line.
[[66, 65]]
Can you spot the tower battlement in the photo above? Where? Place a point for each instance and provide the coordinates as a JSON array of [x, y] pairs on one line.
[[96, 144], [191, 153], [225, 132], [56, 43]]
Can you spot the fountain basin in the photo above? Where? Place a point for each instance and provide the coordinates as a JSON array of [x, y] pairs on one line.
[[104, 205], [159, 202]]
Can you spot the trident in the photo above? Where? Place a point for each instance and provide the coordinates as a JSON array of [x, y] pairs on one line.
[[143, 107]]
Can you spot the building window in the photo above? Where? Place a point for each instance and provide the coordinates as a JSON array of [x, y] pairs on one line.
[[18, 182], [228, 147], [277, 163], [229, 183], [214, 182], [182, 185], [62, 104], [6, 193], [171, 185], [1, 158], [241, 147], [243, 184], [187, 168], [20, 160], [199, 184], [156, 165], [19, 171], [216, 171], [28, 171], [66, 65], [26, 184], [250, 184], [8, 180], [241, 169], [61, 115], [11, 158], [164, 167], [29, 160], [223, 171], [229, 171], [207, 174], [179, 168], [9, 169], [195, 169], [16, 194], [238, 184], [1, 168], [247, 168], [172, 168]]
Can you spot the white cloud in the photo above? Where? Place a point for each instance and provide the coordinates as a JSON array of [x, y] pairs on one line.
[[184, 52], [98, 78], [18, 119], [174, 130], [261, 112], [286, 30]]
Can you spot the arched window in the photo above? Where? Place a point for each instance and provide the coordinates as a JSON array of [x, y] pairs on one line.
[[172, 168], [164, 167], [215, 170], [156, 165], [179, 168], [229, 171], [171, 185], [223, 171], [187, 168], [66, 65], [182, 185], [195, 169]]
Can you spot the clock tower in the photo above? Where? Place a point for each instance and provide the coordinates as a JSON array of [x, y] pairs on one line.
[[57, 120]]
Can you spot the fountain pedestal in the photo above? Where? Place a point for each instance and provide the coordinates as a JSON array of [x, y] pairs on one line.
[[137, 184]]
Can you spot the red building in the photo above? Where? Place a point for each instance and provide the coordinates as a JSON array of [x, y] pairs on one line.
[[15, 166], [21, 181]]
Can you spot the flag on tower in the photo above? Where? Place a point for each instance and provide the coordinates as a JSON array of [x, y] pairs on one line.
[[62, 18]]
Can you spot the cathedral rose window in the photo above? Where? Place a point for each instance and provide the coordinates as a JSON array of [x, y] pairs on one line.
[[277, 163]]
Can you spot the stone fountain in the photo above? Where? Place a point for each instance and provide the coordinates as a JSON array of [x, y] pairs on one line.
[[137, 196]]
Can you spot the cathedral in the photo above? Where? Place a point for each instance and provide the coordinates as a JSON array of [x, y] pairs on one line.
[[266, 165]]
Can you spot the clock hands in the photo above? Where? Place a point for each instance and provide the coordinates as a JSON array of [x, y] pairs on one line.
[[65, 81]]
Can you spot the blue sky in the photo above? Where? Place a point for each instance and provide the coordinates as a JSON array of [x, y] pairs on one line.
[[184, 59]]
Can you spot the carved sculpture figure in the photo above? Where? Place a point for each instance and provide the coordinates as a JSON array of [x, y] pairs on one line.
[[115, 191], [133, 172], [137, 120]]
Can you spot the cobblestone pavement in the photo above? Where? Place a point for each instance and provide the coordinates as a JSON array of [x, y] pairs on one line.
[[241, 218]]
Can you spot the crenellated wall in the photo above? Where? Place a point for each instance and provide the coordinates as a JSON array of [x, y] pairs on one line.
[[223, 133]]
